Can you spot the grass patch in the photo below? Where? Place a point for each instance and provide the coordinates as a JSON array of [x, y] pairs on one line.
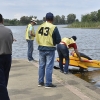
[[84, 25]]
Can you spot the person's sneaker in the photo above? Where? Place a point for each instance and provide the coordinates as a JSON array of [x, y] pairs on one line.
[[51, 86], [40, 84], [31, 60], [61, 71], [65, 72]]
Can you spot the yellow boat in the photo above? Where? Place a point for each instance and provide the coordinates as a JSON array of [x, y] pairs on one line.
[[87, 61]]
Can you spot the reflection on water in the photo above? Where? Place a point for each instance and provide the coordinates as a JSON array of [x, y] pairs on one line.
[[88, 41], [91, 75]]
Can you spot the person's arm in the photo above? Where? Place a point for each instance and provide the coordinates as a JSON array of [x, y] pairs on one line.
[[32, 34], [56, 36], [78, 54], [75, 49], [14, 39], [37, 38]]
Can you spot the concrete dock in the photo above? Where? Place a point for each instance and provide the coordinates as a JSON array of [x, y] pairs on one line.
[[23, 85]]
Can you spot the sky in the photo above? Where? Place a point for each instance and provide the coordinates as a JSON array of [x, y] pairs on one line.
[[11, 9]]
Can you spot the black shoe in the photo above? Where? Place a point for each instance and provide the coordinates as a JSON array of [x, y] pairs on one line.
[[40, 84], [50, 86], [31, 60]]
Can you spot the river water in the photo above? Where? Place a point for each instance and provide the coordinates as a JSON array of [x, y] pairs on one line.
[[88, 42]]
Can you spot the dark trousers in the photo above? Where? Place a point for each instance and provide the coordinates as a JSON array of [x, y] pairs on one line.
[[63, 52], [5, 65], [30, 49]]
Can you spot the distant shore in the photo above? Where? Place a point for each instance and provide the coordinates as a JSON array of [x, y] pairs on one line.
[[92, 25]]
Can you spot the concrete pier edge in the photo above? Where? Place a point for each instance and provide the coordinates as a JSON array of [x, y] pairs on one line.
[[68, 86]]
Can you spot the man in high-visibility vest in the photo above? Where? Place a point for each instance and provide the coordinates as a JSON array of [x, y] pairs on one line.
[[63, 52], [30, 34], [47, 36]]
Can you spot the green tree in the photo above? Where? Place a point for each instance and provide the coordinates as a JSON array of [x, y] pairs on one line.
[[76, 20], [86, 18], [94, 16], [62, 19], [14, 22], [25, 19], [98, 15], [57, 19], [71, 18]]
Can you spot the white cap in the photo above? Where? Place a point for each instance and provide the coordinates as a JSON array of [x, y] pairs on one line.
[[34, 20]]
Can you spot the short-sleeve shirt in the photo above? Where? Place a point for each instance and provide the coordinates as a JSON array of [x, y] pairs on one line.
[[31, 27], [6, 40], [73, 45]]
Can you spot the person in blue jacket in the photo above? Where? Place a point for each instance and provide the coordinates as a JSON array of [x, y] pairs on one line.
[[47, 36]]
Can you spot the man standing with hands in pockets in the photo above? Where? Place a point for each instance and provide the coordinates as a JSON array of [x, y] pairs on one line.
[[47, 36], [30, 34]]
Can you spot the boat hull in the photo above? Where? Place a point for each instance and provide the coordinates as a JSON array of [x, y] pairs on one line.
[[74, 61]]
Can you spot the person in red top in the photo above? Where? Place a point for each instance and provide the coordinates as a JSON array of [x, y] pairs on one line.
[[63, 52]]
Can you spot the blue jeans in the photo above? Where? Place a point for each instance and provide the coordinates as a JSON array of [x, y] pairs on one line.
[[46, 64], [63, 52], [5, 65], [30, 49]]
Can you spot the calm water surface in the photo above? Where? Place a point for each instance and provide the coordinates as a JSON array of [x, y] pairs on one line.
[[88, 42]]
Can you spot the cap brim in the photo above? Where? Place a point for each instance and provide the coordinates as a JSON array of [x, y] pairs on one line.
[[34, 21]]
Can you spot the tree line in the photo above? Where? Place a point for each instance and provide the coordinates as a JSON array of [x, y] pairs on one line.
[[71, 18], [24, 20], [91, 17], [90, 20]]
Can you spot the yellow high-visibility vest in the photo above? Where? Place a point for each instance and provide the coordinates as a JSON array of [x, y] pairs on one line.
[[44, 34], [67, 41], [27, 35]]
